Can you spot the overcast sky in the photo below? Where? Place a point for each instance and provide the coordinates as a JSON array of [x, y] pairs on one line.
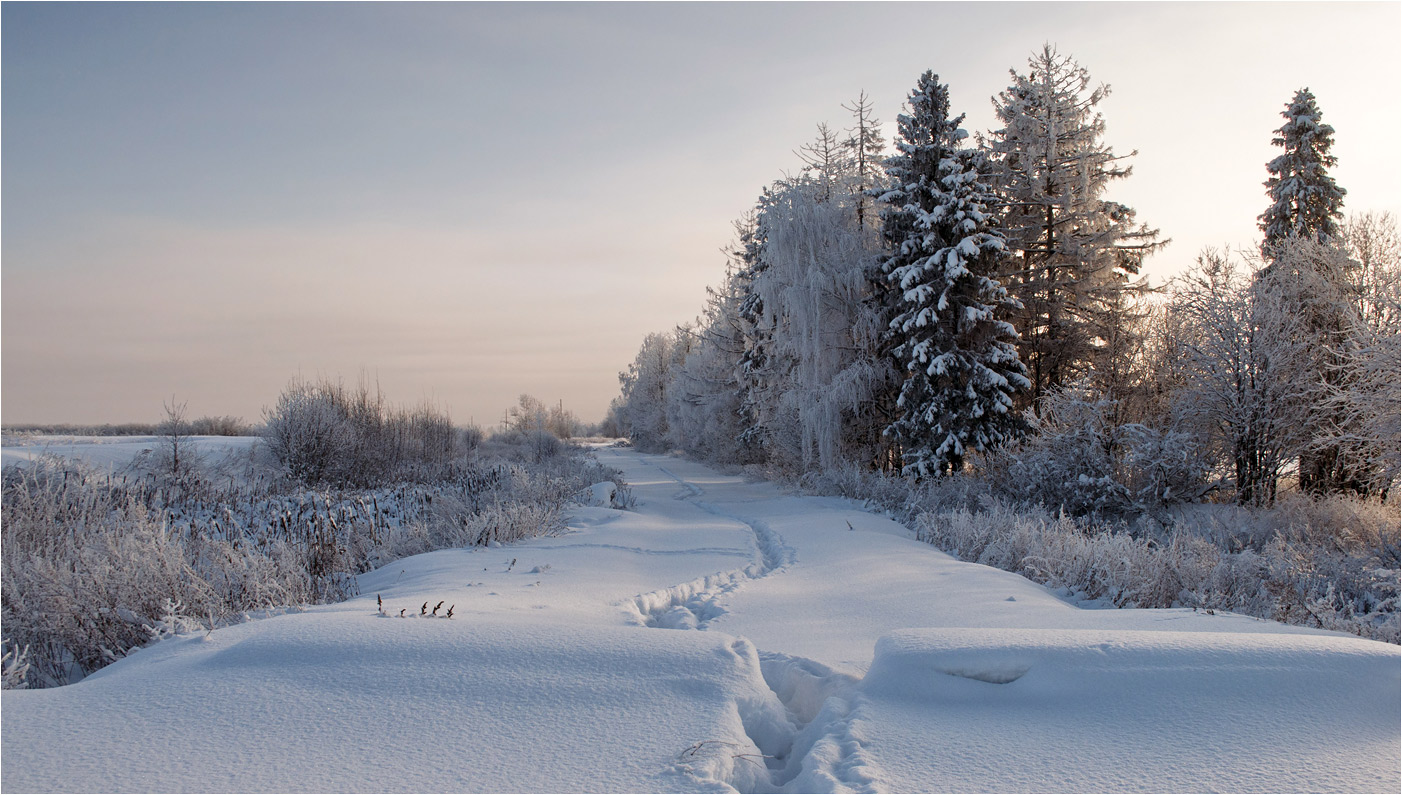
[[471, 201]]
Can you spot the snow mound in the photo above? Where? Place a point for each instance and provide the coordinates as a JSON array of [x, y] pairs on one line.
[[915, 662], [1124, 710], [602, 495]]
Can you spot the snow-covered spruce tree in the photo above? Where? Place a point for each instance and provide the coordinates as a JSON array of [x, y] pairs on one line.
[[1073, 251], [1305, 201], [958, 355], [1301, 247]]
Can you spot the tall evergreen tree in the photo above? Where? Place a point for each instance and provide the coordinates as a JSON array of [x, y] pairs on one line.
[[959, 357], [1307, 267], [1073, 251], [1305, 201]]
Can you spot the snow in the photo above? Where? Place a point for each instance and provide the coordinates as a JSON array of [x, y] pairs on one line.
[[603, 494], [113, 452], [674, 647]]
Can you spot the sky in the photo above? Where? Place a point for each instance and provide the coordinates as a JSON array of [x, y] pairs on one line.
[[467, 202]]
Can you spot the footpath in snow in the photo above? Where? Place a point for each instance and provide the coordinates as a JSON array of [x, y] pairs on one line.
[[723, 636]]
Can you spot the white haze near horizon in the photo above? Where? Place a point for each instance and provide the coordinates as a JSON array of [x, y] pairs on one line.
[[472, 201]]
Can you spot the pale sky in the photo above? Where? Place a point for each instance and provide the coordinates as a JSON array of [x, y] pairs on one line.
[[471, 201]]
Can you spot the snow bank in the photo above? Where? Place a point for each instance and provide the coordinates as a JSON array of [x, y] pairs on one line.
[[1055, 710], [601, 494], [357, 703]]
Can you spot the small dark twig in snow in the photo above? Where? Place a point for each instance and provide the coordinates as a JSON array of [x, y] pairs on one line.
[[695, 750]]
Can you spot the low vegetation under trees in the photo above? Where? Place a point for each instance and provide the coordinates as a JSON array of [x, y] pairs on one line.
[[1257, 390]]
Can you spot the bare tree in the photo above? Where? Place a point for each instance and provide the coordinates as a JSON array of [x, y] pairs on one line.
[[1243, 387], [1357, 418], [177, 447]]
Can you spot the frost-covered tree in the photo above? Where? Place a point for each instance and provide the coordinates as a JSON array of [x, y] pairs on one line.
[[958, 356], [706, 412], [1343, 293], [529, 414], [1305, 201], [754, 362], [812, 373], [1074, 252], [826, 160], [1361, 402], [865, 149], [1243, 354], [644, 391], [822, 362], [177, 456]]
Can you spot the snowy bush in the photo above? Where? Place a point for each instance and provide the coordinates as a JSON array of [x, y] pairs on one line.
[[95, 565], [1082, 461], [323, 432], [14, 667], [306, 433], [1331, 563], [1350, 586]]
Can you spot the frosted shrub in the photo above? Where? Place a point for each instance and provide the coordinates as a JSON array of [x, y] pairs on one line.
[[14, 667], [325, 433], [1082, 460], [86, 578], [542, 446], [1352, 590], [94, 566], [1330, 563], [307, 434]]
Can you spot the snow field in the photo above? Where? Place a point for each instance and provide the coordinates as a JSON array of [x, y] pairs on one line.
[[114, 452], [538, 683], [1002, 686], [839, 654]]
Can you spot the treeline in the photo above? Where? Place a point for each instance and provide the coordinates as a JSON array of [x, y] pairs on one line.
[[200, 426], [975, 304]]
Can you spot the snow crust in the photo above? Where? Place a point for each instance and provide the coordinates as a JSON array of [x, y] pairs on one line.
[[836, 653]]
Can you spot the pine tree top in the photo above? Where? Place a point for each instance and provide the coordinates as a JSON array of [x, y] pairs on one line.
[[1305, 201]]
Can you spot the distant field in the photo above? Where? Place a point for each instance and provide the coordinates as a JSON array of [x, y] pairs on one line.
[[107, 451]]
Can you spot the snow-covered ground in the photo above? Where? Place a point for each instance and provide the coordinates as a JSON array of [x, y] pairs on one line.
[[113, 452], [836, 653]]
